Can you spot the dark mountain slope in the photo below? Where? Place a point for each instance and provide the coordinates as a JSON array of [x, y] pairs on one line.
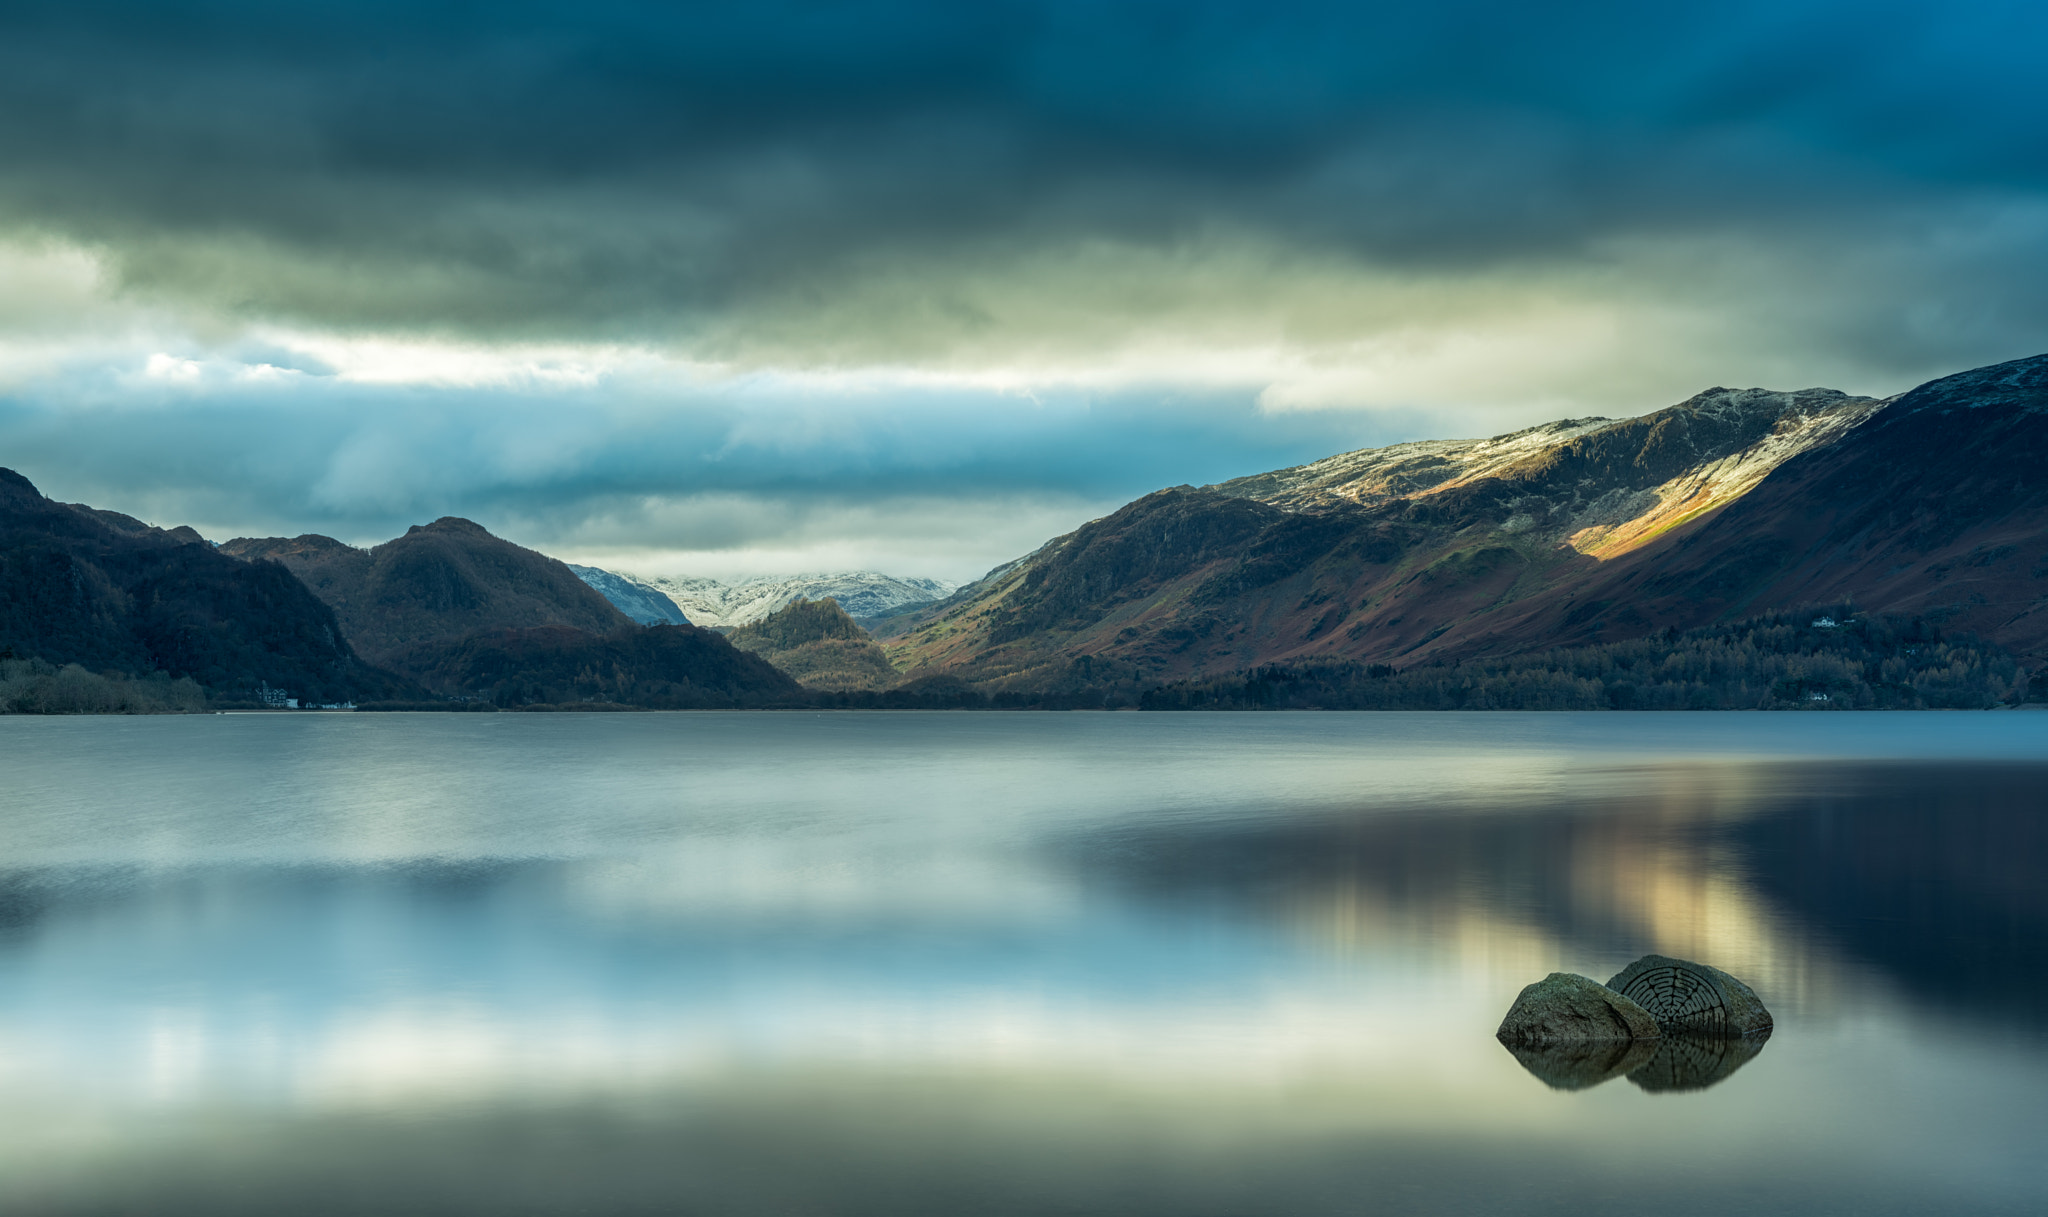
[[1936, 507], [667, 667], [1387, 555], [108, 592], [471, 615], [438, 583]]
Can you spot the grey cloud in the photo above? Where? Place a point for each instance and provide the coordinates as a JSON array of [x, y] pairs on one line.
[[699, 174]]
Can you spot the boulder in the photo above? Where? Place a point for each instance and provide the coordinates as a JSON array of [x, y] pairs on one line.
[[1563, 1009], [1692, 998]]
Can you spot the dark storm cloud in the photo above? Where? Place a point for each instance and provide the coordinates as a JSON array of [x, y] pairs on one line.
[[686, 171]]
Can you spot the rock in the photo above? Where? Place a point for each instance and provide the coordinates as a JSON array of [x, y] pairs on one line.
[[1692, 998], [1563, 1008], [1579, 1064], [1692, 1062]]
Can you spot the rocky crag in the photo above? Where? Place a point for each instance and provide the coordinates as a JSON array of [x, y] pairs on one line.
[[816, 642]]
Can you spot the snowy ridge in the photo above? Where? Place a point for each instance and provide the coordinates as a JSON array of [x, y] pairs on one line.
[[715, 602]]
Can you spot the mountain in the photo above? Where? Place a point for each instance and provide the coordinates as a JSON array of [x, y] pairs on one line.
[[1937, 507], [1730, 505], [642, 602], [438, 583], [474, 616], [863, 594], [816, 642], [111, 594], [662, 667]]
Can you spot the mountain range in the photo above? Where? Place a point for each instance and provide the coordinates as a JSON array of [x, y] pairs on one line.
[[1708, 528], [865, 595], [1731, 505]]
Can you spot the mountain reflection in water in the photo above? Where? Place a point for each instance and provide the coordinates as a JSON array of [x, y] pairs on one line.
[[1011, 964], [1931, 875]]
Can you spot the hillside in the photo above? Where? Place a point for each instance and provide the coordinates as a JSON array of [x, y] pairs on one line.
[[663, 667], [816, 642], [1376, 555], [438, 583], [1937, 507], [108, 593], [1831, 661], [1586, 531]]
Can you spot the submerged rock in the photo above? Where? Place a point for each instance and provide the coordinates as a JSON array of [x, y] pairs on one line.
[[1693, 1062], [1579, 1064], [1563, 1009], [1692, 998]]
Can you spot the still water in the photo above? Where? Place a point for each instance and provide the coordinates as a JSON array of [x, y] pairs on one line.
[[910, 964]]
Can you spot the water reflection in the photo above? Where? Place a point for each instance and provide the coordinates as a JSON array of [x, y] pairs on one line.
[[1930, 875], [1692, 1062], [1582, 1064], [1671, 1063], [1001, 964]]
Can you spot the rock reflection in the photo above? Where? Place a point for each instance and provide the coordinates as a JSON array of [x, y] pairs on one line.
[[1660, 1066], [1808, 878], [1692, 1062], [1583, 1064]]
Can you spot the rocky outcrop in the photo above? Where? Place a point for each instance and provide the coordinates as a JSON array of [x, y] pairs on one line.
[[816, 642], [1692, 998], [1564, 1008]]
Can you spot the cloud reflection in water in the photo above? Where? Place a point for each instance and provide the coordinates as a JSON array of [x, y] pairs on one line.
[[913, 964]]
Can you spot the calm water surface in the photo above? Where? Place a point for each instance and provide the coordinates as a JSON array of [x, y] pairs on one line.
[[910, 964]]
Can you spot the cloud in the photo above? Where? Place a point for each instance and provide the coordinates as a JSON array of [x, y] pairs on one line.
[[345, 266], [697, 174], [649, 465]]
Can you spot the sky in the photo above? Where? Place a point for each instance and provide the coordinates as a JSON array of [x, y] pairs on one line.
[[914, 285]]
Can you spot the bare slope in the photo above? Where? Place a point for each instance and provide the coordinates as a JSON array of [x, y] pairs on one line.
[[1392, 555], [1938, 507]]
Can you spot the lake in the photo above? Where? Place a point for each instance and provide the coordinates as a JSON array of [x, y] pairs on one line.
[[909, 964]]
